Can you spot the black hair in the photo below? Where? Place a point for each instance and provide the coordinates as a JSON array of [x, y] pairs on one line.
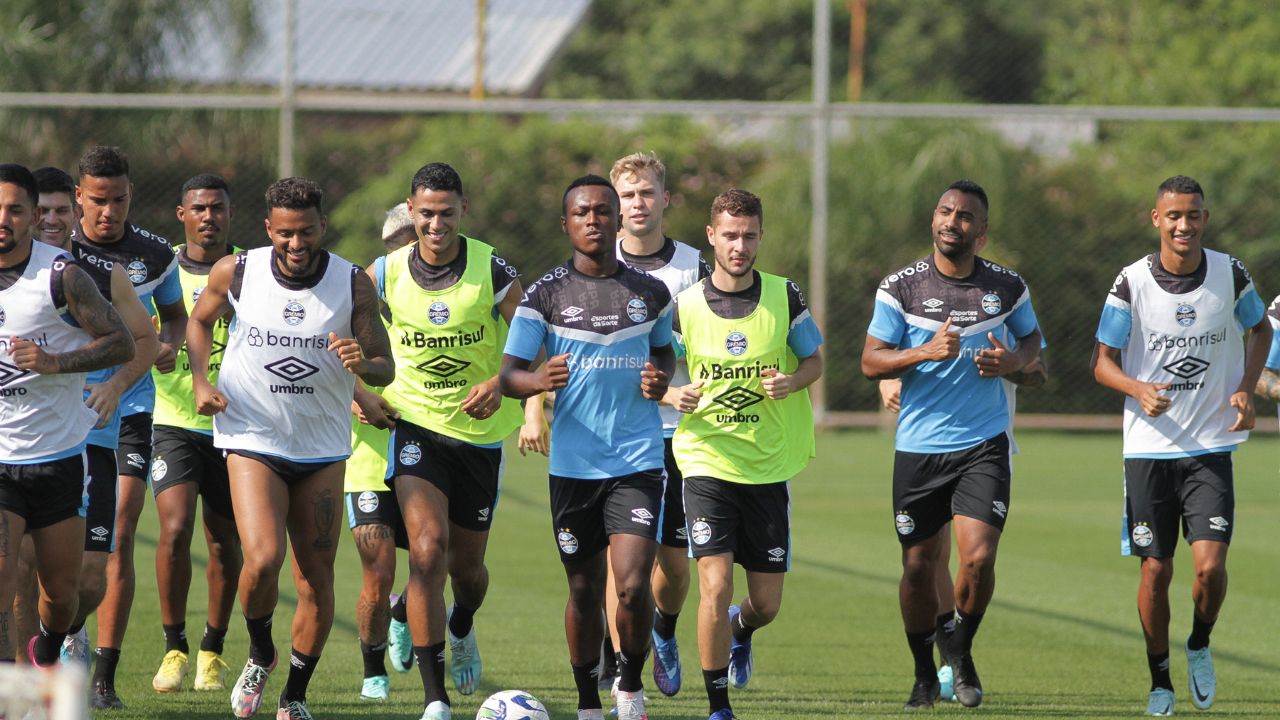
[[295, 193], [55, 180], [104, 161], [436, 176], [587, 181], [19, 175], [204, 181], [969, 187], [1180, 185]]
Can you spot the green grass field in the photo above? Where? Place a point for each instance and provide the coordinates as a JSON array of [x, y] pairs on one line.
[[1061, 638]]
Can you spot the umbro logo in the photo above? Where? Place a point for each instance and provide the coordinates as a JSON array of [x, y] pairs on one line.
[[484, 515], [9, 373], [777, 555], [99, 533], [1187, 367], [738, 398], [932, 305], [642, 516], [1218, 523], [1000, 508], [136, 460], [443, 366], [292, 369], [572, 313]]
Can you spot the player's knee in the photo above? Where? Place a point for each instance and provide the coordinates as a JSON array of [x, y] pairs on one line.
[[716, 590], [427, 558], [632, 593], [471, 579], [1158, 571], [1211, 573], [262, 568], [979, 561], [766, 608], [380, 578], [175, 536]]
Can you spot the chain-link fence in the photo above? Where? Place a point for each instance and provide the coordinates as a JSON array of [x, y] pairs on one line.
[[724, 91]]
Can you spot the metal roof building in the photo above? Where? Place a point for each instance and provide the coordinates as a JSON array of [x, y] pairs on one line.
[[425, 46]]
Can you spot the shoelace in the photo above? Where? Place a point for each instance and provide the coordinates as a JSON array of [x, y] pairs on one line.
[[297, 710]]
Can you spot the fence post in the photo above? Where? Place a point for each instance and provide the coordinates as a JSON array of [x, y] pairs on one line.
[[821, 121], [288, 97]]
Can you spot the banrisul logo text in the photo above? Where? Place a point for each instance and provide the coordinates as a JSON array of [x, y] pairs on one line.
[[736, 343], [294, 313]]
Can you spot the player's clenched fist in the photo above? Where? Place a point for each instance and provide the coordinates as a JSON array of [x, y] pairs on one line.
[[684, 398], [653, 382], [1153, 403], [29, 356], [554, 373], [484, 399], [776, 385], [348, 351], [208, 400], [944, 345]]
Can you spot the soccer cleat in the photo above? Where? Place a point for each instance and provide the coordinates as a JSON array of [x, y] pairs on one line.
[[968, 688], [740, 656], [399, 646], [173, 670], [31, 653], [923, 695], [722, 714], [1201, 677], [437, 710], [594, 714], [103, 697], [947, 690], [464, 663], [211, 671], [1160, 702], [631, 705], [246, 696], [666, 665], [75, 649], [294, 710], [377, 687]]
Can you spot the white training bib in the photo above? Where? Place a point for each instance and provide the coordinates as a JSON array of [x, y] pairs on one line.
[[287, 394], [40, 415], [1193, 342]]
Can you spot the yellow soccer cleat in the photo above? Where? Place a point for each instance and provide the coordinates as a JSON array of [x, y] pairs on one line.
[[173, 670], [210, 671]]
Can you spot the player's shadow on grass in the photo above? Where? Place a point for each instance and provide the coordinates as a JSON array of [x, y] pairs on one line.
[[1089, 624]]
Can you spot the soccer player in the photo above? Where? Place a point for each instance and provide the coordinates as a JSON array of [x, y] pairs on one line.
[[186, 465], [937, 324], [606, 330], [749, 339], [58, 217], [57, 327], [374, 515], [306, 326], [450, 299], [1171, 338], [640, 179], [1269, 381], [104, 196]]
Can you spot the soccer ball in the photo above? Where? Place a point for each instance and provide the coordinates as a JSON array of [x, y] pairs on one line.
[[512, 705]]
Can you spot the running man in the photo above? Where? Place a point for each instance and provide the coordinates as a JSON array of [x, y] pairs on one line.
[[58, 217], [640, 180], [374, 515], [606, 331], [186, 465], [748, 429], [306, 326], [450, 299], [937, 325], [104, 196], [1171, 338], [57, 327]]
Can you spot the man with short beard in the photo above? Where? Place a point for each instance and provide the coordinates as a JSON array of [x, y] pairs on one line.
[[936, 325]]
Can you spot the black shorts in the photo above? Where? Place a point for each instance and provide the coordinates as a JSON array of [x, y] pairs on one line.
[[753, 522], [585, 513], [100, 498], [45, 493], [291, 472], [188, 456], [1158, 494], [469, 476], [930, 488], [133, 457], [373, 507], [672, 531]]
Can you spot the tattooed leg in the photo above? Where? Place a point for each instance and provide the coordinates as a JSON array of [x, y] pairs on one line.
[[377, 548], [313, 522]]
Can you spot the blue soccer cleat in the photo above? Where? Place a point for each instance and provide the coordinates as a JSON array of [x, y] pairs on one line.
[[1201, 677], [1160, 702], [666, 665], [740, 655]]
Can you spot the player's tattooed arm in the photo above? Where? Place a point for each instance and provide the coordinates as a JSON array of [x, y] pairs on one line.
[[1268, 385], [104, 397], [214, 303], [374, 365], [112, 343]]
